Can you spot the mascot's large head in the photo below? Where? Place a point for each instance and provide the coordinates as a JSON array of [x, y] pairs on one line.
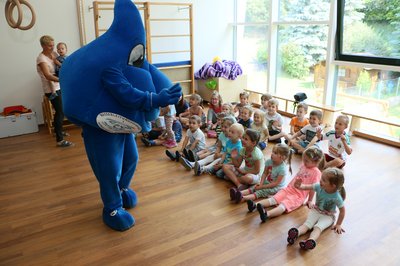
[[121, 47]]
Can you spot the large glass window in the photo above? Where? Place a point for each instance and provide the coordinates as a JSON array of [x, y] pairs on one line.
[[252, 42], [371, 92], [252, 55], [301, 61], [369, 31]]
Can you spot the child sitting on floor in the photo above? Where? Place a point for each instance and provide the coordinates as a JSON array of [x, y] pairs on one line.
[[264, 102], [290, 198], [196, 108], [253, 164], [244, 100], [272, 179], [215, 107], [206, 165], [330, 194], [245, 116], [232, 148], [194, 140], [299, 121], [339, 143], [310, 138], [274, 122], [260, 126]]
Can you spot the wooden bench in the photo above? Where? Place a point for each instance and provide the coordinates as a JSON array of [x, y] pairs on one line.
[[327, 111], [355, 128]]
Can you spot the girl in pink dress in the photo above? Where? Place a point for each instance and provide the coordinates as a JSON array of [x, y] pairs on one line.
[[291, 198]]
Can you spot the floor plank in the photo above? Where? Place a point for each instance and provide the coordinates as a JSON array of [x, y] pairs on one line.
[[50, 213]]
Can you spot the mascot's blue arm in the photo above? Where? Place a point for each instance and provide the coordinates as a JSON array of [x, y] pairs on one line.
[[115, 82]]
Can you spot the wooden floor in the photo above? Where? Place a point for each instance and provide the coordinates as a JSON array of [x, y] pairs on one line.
[[50, 213]]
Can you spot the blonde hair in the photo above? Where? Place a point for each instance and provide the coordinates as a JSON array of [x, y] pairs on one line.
[[345, 119], [195, 118], [302, 105], [284, 151], [262, 115], [218, 96], [244, 94], [46, 39], [62, 43], [197, 98], [229, 119], [273, 101], [230, 107], [266, 97], [336, 177], [316, 155], [247, 107], [239, 128]]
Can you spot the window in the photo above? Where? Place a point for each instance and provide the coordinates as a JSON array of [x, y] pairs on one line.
[[369, 31], [301, 60], [251, 41]]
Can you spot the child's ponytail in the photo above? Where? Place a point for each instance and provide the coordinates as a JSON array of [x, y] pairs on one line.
[[342, 192], [336, 177], [285, 151]]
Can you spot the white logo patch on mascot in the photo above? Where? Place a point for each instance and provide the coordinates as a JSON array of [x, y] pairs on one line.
[[115, 123]]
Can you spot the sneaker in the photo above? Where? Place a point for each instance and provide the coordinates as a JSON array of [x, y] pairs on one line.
[[171, 155], [197, 169], [307, 244], [251, 205], [238, 196], [170, 144], [232, 193], [185, 163], [263, 214], [293, 234], [65, 143], [146, 142], [192, 156], [177, 156]]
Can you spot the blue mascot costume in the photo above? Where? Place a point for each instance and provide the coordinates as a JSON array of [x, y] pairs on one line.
[[111, 91]]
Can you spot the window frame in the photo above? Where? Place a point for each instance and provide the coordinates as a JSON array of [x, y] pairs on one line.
[[340, 56]]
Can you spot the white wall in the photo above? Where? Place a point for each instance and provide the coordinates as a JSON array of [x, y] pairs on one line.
[[19, 82]]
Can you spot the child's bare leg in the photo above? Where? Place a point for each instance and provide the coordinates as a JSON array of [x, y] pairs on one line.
[[229, 172], [297, 146], [248, 197], [316, 232], [334, 163], [277, 211], [159, 141], [245, 179], [303, 229], [265, 203]]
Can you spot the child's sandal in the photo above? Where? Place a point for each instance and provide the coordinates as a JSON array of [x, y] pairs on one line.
[[263, 214], [293, 234], [307, 244]]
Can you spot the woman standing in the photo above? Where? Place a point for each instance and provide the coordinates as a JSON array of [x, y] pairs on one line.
[[45, 67]]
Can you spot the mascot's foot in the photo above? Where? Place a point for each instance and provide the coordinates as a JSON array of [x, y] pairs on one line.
[[118, 219], [129, 199]]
